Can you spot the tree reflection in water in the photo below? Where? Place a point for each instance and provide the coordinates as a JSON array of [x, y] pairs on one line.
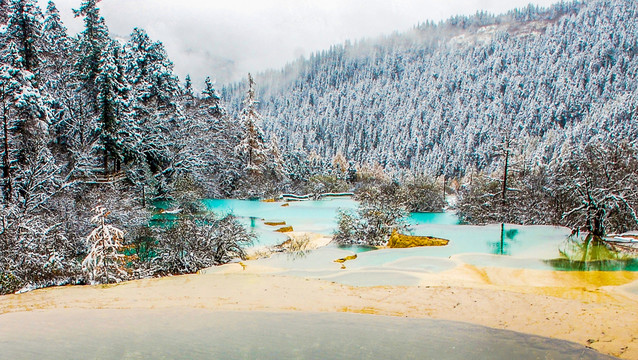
[[504, 243]]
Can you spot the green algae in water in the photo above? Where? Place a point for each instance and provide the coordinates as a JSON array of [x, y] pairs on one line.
[[591, 254], [599, 265]]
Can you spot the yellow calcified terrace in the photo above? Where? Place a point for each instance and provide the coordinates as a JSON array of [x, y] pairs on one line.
[[398, 240]]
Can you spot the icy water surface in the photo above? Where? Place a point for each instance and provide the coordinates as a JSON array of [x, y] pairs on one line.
[[200, 334]]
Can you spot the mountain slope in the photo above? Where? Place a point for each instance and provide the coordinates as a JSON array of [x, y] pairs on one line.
[[443, 98]]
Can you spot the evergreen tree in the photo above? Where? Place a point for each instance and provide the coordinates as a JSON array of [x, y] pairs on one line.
[[91, 45], [56, 45], [212, 100], [24, 29], [188, 95], [188, 86], [117, 136], [252, 149], [25, 119], [151, 72], [56, 55], [155, 89], [104, 262]]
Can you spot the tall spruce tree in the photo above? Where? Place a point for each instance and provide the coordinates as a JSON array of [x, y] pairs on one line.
[[212, 100], [25, 118], [252, 148], [24, 28], [117, 136], [56, 55], [91, 43], [157, 112], [100, 71]]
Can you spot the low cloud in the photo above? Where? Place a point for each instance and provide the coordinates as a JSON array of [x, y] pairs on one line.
[[227, 39]]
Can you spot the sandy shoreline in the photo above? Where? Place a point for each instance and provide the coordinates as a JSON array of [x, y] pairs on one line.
[[587, 308]]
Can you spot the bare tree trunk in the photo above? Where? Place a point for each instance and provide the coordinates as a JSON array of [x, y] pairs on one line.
[[502, 239], [507, 158], [143, 195], [444, 187], [106, 161], [6, 166]]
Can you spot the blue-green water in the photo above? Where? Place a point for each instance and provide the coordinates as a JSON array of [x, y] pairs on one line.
[[318, 216], [310, 216], [201, 334], [516, 246]]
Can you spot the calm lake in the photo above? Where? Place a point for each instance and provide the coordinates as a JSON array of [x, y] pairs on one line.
[[532, 247], [200, 334]]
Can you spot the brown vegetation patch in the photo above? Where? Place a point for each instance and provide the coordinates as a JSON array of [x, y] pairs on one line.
[[285, 229], [407, 241], [344, 259]]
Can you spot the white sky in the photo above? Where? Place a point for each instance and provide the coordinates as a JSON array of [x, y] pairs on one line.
[[226, 39]]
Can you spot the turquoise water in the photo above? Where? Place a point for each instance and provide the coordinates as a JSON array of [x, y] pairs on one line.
[[310, 216], [532, 247], [446, 218], [319, 216], [201, 334]]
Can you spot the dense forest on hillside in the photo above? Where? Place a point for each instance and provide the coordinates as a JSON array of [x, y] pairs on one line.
[[441, 98], [529, 117], [534, 112]]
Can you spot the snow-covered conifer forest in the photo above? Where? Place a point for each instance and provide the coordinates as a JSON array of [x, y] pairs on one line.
[[534, 112], [529, 117]]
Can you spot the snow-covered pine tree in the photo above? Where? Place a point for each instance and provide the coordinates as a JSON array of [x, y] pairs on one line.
[[151, 72], [252, 149], [85, 128], [55, 74], [56, 48], [157, 112], [54, 34], [117, 137], [24, 29], [104, 262], [188, 95], [275, 160], [25, 118], [90, 47], [211, 98]]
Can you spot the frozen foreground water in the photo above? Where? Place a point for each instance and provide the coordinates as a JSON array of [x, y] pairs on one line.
[[203, 334]]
